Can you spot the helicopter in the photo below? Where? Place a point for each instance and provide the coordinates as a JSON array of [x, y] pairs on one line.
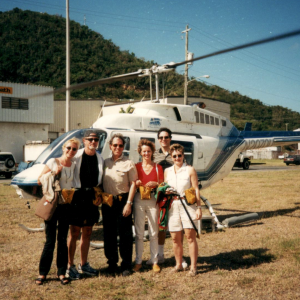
[[211, 141]]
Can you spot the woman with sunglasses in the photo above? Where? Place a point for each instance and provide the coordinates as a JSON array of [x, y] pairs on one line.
[[182, 177], [65, 167], [150, 175], [119, 180]]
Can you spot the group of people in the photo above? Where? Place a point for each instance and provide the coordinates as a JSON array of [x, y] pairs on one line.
[[125, 184]]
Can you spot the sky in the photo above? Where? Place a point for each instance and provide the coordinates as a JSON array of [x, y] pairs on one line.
[[152, 30]]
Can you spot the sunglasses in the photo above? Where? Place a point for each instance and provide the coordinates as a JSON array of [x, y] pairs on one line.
[[93, 139], [163, 137], [179, 156], [74, 149], [118, 145]]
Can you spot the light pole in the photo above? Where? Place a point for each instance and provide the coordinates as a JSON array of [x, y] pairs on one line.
[[186, 31]]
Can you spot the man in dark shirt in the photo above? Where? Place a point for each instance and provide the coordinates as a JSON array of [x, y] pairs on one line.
[[163, 158], [84, 214]]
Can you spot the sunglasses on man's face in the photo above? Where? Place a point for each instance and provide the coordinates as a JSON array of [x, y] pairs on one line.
[[163, 137], [175, 156], [74, 149], [93, 139], [118, 145]]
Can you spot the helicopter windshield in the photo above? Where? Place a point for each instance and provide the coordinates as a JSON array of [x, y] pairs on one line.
[[55, 148]]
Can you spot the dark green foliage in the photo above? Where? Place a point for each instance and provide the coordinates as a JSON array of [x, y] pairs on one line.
[[33, 50]]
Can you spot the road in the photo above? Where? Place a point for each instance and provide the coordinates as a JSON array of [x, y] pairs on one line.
[[263, 167]]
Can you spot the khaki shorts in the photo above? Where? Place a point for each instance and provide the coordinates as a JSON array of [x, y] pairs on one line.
[[178, 218]]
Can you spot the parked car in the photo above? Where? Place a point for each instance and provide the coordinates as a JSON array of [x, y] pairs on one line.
[[7, 164], [292, 159]]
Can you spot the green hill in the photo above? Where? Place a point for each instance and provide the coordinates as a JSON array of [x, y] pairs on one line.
[[33, 51]]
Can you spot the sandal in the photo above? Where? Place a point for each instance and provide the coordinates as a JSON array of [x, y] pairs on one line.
[[175, 270], [64, 280], [193, 273], [40, 280]]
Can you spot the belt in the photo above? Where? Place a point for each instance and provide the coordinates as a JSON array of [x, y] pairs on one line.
[[120, 196]]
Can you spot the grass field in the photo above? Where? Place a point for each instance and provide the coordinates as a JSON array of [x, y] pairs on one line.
[[255, 261]]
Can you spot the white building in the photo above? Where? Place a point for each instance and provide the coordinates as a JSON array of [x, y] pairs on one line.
[[23, 117]]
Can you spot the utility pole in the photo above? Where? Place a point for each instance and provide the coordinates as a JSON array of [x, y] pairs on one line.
[[67, 67], [186, 31]]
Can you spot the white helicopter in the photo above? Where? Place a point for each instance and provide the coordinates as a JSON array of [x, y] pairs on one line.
[[211, 141]]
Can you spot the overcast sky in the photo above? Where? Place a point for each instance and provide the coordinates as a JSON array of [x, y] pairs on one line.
[[152, 30]]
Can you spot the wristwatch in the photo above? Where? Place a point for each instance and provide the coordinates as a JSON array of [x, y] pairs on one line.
[[129, 202]]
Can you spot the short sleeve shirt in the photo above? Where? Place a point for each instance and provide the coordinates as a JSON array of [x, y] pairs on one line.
[[162, 159], [118, 175]]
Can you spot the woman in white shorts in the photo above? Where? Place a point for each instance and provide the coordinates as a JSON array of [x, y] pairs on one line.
[[182, 177]]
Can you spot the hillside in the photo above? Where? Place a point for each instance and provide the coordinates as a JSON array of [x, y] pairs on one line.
[[33, 51]]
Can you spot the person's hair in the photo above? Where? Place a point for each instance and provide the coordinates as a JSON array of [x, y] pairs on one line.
[[176, 147], [117, 136], [166, 130], [73, 141], [145, 142]]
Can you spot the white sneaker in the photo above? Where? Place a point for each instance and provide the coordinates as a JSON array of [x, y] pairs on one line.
[[184, 264]]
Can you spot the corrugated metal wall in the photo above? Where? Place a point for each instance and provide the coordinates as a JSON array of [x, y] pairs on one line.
[[40, 108]]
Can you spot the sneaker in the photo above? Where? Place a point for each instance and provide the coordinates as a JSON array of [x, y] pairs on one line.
[[184, 264], [87, 269], [72, 273]]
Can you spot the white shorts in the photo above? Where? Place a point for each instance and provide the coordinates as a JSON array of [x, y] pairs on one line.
[[178, 218]]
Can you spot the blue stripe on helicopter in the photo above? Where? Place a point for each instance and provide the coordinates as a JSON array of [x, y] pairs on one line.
[[231, 143]]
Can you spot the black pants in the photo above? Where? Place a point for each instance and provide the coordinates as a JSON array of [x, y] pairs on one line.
[[115, 224], [59, 222]]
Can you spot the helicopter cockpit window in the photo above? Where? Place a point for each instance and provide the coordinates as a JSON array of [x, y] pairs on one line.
[[206, 119], [188, 150], [217, 121], [202, 118], [212, 120], [55, 148], [126, 150], [197, 116], [224, 123]]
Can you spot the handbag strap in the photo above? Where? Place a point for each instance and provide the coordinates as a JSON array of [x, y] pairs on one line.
[[57, 176], [157, 174]]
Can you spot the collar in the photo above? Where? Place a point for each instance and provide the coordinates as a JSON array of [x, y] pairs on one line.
[[180, 169], [120, 158], [160, 151]]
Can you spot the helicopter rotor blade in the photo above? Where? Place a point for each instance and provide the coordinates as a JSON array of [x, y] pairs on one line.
[[166, 67], [263, 41], [91, 83]]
